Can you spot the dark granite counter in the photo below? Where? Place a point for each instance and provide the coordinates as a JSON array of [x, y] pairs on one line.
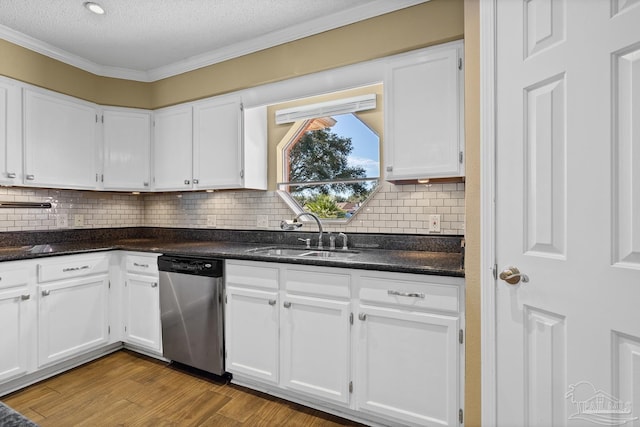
[[440, 255]]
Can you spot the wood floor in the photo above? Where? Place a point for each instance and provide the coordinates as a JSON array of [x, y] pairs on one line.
[[127, 389]]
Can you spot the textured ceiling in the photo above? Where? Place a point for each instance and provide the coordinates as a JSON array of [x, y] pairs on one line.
[[143, 35]]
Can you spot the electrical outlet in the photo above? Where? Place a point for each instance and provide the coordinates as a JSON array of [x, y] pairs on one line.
[[263, 221], [211, 220], [62, 221], [434, 223], [78, 220]]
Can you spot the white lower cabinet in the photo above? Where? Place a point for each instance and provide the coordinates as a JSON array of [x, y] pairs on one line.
[[374, 346], [408, 365], [315, 333], [252, 321], [73, 313], [15, 305], [142, 302]]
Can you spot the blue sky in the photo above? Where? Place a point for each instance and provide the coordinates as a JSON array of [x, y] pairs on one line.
[[365, 143]]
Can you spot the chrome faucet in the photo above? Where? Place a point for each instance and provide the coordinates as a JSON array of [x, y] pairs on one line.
[[344, 241], [314, 216]]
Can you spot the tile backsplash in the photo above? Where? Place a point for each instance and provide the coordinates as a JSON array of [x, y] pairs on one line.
[[393, 209]]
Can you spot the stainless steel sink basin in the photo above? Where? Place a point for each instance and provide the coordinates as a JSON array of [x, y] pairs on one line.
[[303, 252]]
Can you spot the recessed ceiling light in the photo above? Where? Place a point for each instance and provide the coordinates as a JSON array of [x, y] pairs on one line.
[[94, 7]]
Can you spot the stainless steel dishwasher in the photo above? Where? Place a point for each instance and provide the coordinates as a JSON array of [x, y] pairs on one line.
[[191, 311]]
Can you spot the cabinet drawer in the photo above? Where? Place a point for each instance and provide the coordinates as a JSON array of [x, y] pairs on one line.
[[142, 264], [324, 282], [72, 267], [14, 278], [407, 292], [255, 275]]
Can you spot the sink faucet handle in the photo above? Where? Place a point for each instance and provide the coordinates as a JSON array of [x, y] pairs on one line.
[[332, 241], [344, 241], [306, 241]]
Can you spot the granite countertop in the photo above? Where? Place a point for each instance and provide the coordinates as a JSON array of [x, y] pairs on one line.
[[391, 255]]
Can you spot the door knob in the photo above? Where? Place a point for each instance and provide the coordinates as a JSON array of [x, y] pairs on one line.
[[512, 276]]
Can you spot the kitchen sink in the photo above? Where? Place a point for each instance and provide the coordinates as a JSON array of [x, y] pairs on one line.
[[303, 252]]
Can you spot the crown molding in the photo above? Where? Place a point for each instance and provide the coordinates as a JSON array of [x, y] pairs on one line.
[[295, 32]]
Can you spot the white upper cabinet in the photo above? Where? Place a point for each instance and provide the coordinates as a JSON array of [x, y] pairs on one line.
[[424, 135], [210, 144], [217, 148], [172, 148], [59, 141], [126, 149], [10, 132]]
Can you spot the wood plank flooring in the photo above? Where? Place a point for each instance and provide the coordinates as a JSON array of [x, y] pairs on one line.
[[127, 389]]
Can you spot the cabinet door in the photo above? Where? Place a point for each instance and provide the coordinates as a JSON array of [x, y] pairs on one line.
[[251, 333], [172, 148], [142, 312], [14, 319], [73, 317], [316, 347], [10, 133], [408, 365], [127, 145], [423, 116], [59, 141], [217, 144]]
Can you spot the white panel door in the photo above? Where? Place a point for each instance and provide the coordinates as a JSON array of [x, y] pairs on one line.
[[568, 212], [315, 339], [127, 149], [142, 312], [73, 317], [173, 148], [408, 365], [60, 145], [252, 333], [10, 132], [217, 144]]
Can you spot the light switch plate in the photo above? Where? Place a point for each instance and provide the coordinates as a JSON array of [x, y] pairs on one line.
[[78, 220], [434, 223], [62, 221], [211, 220], [263, 221]]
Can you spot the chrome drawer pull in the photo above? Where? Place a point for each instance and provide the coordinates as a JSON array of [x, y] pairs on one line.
[[68, 269], [135, 264], [154, 285], [272, 302], [287, 304], [362, 316], [46, 292], [25, 297], [406, 294]]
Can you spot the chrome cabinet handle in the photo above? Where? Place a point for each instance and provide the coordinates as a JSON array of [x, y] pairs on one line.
[[30, 177], [272, 302], [187, 182], [512, 276], [389, 168], [362, 316], [287, 304], [145, 184], [11, 174], [196, 181], [406, 294], [66, 270], [135, 264], [25, 297], [46, 292], [154, 285]]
